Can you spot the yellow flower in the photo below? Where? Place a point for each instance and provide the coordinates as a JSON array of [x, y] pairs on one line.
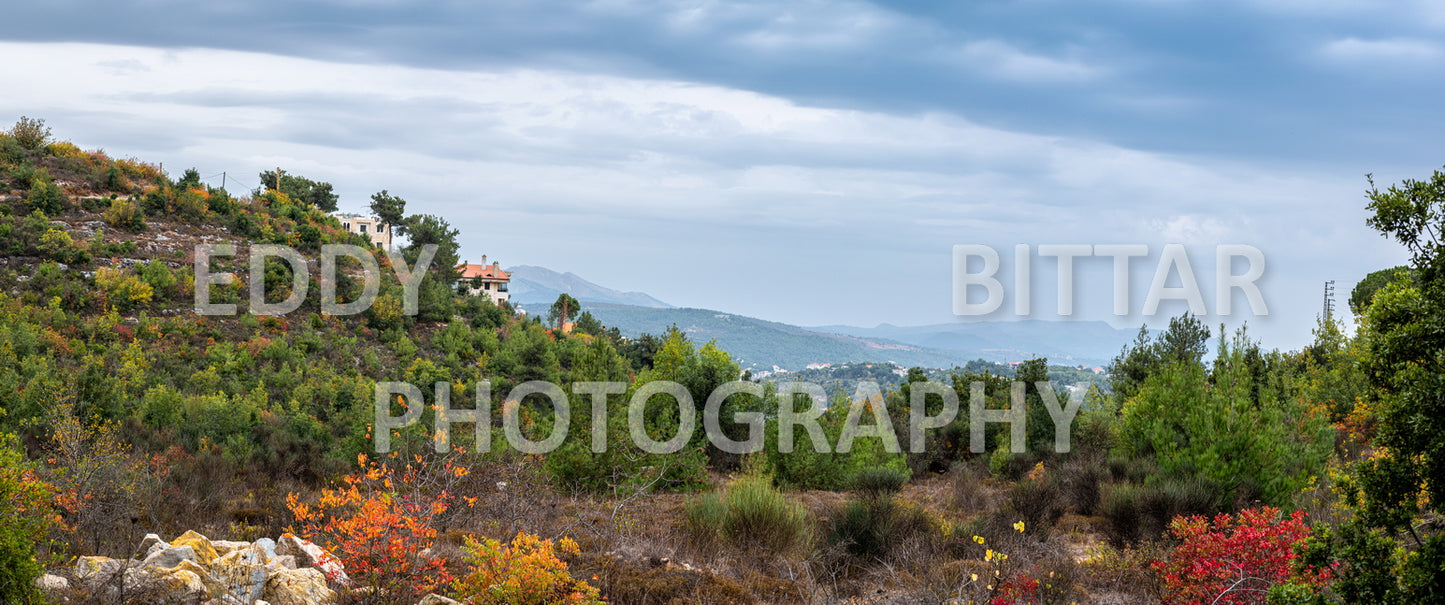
[[988, 555], [1019, 526], [973, 577], [978, 539]]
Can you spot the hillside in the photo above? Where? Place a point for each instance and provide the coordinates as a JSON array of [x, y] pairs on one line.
[[131, 413]]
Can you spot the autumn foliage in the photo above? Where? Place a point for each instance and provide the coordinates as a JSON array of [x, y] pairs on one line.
[[1235, 560], [378, 529], [527, 572]]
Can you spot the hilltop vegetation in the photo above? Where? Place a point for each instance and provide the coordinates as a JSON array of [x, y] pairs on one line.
[[131, 414]]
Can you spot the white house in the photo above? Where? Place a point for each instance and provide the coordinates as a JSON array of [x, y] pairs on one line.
[[490, 279], [378, 232]]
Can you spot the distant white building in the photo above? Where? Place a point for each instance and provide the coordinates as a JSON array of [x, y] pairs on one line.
[[378, 232], [490, 279]]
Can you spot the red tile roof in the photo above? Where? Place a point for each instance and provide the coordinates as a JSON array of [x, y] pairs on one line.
[[492, 271]]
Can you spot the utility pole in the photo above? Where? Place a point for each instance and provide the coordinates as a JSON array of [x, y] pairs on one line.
[[278, 179]]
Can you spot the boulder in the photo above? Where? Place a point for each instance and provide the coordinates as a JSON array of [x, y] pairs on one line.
[[243, 580], [309, 554], [50, 582], [267, 546], [95, 567], [282, 562], [182, 584], [205, 552], [214, 588], [436, 599], [170, 557], [227, 546], [298, 587], [150, 542], [257, 552]]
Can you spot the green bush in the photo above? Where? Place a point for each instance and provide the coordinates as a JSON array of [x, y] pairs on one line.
[[30, 133], [869, 528], [11, 152], [1122, 505], [125, 215], [752, 514], [880, 481], [1038, 502], [44, 195]]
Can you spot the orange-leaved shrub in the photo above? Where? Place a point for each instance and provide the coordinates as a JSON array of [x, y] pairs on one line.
[[377, 532]]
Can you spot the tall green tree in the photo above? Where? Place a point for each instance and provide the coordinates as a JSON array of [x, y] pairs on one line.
[[563, 309], [390, 209], [435, 296], [1364, 291], [1186, 341]]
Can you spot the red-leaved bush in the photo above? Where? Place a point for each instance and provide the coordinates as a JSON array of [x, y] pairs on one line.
[[379, 529], [1234, 560]]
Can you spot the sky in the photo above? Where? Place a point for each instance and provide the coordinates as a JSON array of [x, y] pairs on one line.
[[809, 162]]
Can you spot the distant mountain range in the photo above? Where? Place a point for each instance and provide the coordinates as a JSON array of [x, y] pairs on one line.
[[533, 285], [761, 344]]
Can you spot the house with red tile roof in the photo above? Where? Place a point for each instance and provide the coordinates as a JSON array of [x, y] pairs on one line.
[[485, 278]]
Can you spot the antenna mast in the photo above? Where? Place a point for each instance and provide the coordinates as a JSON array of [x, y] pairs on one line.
[[1329, 309]]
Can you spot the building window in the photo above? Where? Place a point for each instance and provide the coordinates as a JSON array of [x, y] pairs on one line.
[[363, 227], [346, 226]]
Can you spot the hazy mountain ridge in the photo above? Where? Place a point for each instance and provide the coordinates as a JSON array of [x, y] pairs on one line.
[[761, 344], [539, 285]]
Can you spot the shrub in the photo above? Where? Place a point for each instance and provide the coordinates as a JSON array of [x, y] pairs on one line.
[[122, 289], [11, 152], [159, 277], [969, 494], [880, 481], [871, 527], [1082, 480], [752, 514], [1235, 560], [1122, 505], [377, 534], [30, 133], [58, 245], [44, 195], [125, 215], [25, 517], [1038, 501], [526, 572], [99, 478]]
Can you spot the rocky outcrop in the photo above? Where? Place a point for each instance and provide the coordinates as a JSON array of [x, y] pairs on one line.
[[194, 569]]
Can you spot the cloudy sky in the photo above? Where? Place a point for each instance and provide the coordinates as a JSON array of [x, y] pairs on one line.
[[809, 162]]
